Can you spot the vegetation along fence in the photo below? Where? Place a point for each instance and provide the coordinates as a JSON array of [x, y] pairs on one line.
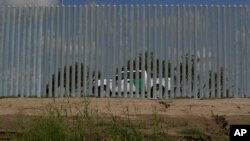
[[140, 51]]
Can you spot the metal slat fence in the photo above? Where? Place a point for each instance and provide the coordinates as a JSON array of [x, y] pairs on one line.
[[140, 51]]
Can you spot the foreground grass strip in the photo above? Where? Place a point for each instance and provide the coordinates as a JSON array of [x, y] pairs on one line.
[[57, 123], [192, 132]]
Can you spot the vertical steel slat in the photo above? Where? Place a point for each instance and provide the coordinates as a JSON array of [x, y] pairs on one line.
[[184, 91], [62, 47], [85, 10], [224, 83], [190, 78], [90, 45], [9, 55], [47, 56], [166, 40], [149, 42], [44, 58], [160, 29], [50, 49], [98, 49], [40, 36], [213, 68], [68, 50], [43, 49], [137, 47], [2, 37], [105, 51], [97, 44], [126, 52], [80, 53], [175, 46], [234, 35], [200, 50], [206, 53], [216, 51], [240, 53], [168, 54], [102, 51], [34, 53], [218, 28], [245, 25], [40, 52], [29, 68], [245, 48], [131, 49], [178, 46], [207, 68], [17, 89], [211, 75], [204, 72], [98, 23], [82, 58], [85, 50], [143, 51], [195, 92], [113, 51], [230, 51], [172, 44], [13, 74], [119, 49], [136, 67], [92, 51], [73, 52], [121, 53], [109, 51], [248, 52], [154, 43], [74, 44], [6, 53], [71, 55], [56, 53], [117, 52]]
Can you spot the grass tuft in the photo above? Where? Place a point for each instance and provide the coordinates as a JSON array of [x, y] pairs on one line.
[[192, 132]]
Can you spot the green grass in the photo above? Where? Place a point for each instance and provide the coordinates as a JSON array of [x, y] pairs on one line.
[[59, 124], [192, 132]]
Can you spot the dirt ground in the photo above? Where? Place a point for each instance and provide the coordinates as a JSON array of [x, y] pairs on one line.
[[171, 107], [208, 115]]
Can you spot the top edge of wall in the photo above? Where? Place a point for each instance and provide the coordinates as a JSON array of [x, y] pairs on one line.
[[140, 5]]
